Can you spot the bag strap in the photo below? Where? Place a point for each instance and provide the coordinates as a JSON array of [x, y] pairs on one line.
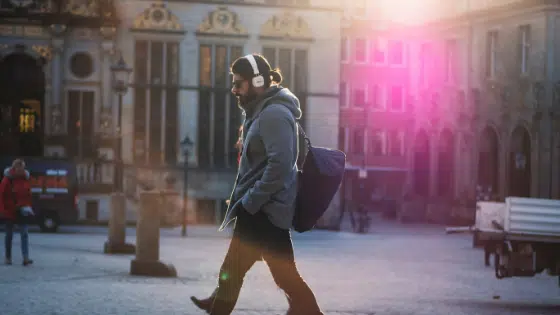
[[305, 137]]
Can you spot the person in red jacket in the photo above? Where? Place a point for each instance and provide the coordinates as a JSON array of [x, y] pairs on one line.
[[15, 207]]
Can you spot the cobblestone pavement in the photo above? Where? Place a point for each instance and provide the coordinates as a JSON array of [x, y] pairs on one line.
[[394, 270]]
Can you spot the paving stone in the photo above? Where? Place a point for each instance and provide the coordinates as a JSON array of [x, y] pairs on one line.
[[394, 270]]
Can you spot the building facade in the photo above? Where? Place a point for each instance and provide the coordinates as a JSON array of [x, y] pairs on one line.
[[180, 52], [376, 124], [486, 96]]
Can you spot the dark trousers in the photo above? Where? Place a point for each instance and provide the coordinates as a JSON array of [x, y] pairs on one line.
[[24, 233], [256, 238]]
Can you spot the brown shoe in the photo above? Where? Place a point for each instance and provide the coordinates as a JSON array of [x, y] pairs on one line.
[[27, 262], [205, 304]]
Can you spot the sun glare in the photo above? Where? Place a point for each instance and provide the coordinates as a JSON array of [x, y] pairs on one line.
[[409, 11]]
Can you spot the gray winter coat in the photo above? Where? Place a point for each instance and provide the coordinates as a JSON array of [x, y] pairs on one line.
[[267, 176]]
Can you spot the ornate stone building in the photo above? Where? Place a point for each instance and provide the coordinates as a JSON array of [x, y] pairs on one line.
[[486, 96], [376, 125], [181, 52], [61, 51], [54, 53]]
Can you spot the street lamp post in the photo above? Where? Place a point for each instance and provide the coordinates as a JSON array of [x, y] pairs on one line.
[[186, 145], [121, 76], [117, 222]]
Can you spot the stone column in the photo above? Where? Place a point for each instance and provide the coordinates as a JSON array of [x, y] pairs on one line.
[[117, 228], [57, 73], [147, 261], [57, 70], [106, 113], [107, 50], [503, 160]]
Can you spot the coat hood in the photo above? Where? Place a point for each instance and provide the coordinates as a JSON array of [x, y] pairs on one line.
[[8, 172], [285, 97], [278, 95]]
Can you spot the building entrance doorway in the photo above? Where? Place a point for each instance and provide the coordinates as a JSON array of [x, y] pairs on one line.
[[22, 94]]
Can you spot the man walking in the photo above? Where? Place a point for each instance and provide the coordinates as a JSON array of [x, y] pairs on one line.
[[263, 198]]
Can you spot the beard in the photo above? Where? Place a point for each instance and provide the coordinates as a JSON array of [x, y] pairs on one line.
[[244, 100]]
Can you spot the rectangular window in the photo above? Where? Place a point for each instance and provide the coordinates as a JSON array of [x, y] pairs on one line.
[[218, 117], [140, 62], [234, 114], [396, 143], [81, 107], [204, 106], [171, 126], [270, 54], [155, 133], [360, 50], [141, 57], [294, 65], [156, 102], [397, 98], [491, 53], [285, 63], [525, 43], [378, 143], [379, 50], [359, 97], [156, 63], [358, 141], [396, 53], [171, 119]]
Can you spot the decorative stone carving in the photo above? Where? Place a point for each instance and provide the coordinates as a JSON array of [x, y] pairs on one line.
[[105, 122], [108, 47], [222, 22], [21, 3], [43, 50], [286, 26], [23, 31], [56, 119], [58, 30], [157, 18], [32, 5], [108, 32], [84, 34], [87, 8]]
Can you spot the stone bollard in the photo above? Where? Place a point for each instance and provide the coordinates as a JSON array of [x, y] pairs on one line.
[[147, 261], [117, 228]]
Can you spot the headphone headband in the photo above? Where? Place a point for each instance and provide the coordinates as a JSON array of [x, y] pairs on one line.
[[258, 79], [253, 63]]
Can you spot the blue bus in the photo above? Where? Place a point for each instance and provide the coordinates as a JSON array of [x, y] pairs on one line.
[[54, 187]]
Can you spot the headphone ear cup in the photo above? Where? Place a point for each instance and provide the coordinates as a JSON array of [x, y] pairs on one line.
[[258, 81]]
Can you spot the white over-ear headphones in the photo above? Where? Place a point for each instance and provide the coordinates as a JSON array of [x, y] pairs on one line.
[[258, 79]]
